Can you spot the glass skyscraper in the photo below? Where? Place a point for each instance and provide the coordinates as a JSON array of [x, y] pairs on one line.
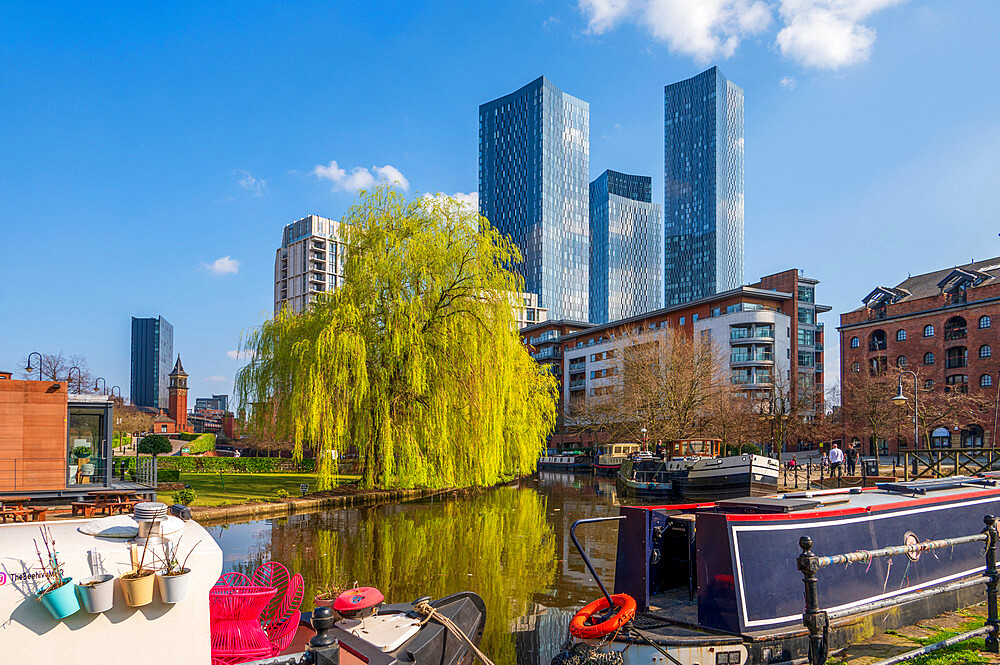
[[626, 247], [702, 187], [534, 163], [152, 354]]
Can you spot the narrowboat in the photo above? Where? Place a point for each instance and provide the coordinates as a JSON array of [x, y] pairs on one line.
[[693, 470], [608, 458], [718, 582], [572, 460]]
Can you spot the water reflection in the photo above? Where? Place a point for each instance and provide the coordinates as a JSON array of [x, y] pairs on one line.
[[511, 545]]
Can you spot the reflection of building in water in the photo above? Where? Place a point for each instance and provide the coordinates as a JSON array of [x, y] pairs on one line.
[[539, 635]]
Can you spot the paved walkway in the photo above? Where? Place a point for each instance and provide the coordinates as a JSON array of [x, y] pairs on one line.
[[924, 632]]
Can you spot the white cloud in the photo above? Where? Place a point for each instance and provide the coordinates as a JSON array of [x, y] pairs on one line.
[[247, 181], [218, 378], [788, 82], [826, 34], [236, 354], [225, 265], [471, 199], [360, 177]]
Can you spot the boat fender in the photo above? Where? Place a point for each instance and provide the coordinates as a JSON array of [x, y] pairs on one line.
[[626, 611]]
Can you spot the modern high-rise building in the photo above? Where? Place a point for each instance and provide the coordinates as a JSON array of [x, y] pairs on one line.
[[534, 162], [626, 247], [309, 261], [702, 187], [152, 354]]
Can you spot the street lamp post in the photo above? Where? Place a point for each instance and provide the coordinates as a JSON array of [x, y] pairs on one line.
[[643, 430], [113, 389], [101, 378], [79, 378], [29, 369], [900, 400]]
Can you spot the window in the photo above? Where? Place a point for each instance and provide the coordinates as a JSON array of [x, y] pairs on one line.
[[877, 342], [855, 342], [901, 361], [928, 331], [900, 335], [694, 318], [806, 293], [680, 321], [716, 311], [957, 382], [928, 358], [984, 322], [855, 366], [955, 328], [929, 384], [957, 356], [807, 337], [985, 381], [807, 315], [876, 366], [985, 351]]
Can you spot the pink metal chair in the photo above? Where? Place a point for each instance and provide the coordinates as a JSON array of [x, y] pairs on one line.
[[273, 575], [237, 634], [233, 578], [281, 629]]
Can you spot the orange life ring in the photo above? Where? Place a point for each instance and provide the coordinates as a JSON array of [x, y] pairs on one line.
[[626, 610]]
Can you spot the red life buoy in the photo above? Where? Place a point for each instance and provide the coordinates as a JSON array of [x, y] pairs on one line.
[[626, 610]]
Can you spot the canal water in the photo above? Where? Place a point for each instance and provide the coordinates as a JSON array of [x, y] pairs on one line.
[[510, 545]]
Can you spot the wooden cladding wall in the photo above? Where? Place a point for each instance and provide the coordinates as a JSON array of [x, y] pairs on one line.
[[32, 435]]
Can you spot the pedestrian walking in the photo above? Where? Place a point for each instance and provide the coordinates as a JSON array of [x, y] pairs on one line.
[[853, 455], [836, 458]]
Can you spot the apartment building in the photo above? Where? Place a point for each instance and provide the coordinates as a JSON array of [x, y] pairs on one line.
[[309, 261]]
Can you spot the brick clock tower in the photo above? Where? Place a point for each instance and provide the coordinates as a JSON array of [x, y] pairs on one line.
[[178, 391]]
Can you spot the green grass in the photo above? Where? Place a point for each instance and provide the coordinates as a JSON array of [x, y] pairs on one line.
[[213, 489], [969, 652]]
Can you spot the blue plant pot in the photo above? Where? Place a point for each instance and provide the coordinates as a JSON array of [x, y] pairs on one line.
[[60, 602]]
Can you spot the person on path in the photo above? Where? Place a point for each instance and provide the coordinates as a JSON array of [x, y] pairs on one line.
[[853, 455], [836, 458]]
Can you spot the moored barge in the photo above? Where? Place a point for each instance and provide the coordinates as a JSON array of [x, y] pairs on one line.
[[718, 582], [572, 461]]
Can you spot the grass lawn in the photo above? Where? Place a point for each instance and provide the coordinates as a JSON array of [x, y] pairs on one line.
[[213, 489]]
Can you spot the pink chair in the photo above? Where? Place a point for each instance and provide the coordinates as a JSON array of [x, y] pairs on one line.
[[237, 634], [233, 578], [273, 575], [281, 629]]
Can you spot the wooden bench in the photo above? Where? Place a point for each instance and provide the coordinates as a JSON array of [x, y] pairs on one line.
[[14, 514], [39, 514], [85, 507]]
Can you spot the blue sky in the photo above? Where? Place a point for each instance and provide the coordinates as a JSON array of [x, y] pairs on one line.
[[140, 146]]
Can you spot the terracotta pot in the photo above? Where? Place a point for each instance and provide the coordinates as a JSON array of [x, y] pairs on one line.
[[138, 590], [326, 602]]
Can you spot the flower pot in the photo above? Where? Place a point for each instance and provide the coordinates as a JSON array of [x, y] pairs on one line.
[[61, 601], [83, 460], [138, 590], [326, 602], [174, 588], [98, 597]]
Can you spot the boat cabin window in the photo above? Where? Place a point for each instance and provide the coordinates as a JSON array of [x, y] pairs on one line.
[[699, 448]]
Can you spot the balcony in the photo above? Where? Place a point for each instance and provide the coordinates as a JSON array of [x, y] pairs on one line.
[[579, 384], [738, 334], [547, 352], [819, 346], [955, 363], [954, 333], [578, 366], [760, 357], [819, 367]]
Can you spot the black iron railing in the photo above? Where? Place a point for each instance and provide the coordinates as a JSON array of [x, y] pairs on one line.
[[817, 620]]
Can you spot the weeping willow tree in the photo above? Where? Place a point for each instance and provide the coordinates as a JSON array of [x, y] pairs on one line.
[[414, 363]]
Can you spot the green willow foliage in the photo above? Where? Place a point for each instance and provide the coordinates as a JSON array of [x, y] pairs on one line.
[[414, 363]]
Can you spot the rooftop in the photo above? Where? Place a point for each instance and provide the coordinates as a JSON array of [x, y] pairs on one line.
[[933, 283]]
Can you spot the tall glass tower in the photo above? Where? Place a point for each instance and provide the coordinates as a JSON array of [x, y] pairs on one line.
[[702, 187], [152, 353], [626, 247], [534, 163]]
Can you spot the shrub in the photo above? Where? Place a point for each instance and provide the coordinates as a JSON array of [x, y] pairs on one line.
[[234, 465], [188, 436], [281, 494], [155, 444], [168, 476], [185, 497], [82, 451], [201, 443]]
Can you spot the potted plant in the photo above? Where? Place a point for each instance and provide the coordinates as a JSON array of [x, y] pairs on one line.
[[137, 584], [97, 593], [175, 577], [57, 596], [82, 454], [326, 594]]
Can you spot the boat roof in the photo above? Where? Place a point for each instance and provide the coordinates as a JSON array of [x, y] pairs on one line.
[[835, 502]]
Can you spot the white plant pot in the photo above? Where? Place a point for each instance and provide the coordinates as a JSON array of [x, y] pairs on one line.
[[99, 597], [174, 588]]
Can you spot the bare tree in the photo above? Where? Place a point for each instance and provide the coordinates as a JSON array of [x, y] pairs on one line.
[[867, 401], [58, 367], [943, 406], [661, 381]]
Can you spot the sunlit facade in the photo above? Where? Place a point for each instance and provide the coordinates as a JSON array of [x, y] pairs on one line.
[[534, 161], [626, 247], [703, 187]]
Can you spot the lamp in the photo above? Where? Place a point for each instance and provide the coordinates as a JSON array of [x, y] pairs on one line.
[[29, 369], [900, 398]]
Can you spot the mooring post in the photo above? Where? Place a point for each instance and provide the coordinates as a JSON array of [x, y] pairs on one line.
[[796, 476], [993, 576], [813, 619]]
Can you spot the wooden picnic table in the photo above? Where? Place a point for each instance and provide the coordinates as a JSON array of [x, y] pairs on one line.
[[14, 508], [108, 501]]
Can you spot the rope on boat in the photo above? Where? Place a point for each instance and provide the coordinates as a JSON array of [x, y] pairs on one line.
[[425, 608], [581, 653]]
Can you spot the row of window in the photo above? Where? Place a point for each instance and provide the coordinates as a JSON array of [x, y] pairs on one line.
[[956, 325]]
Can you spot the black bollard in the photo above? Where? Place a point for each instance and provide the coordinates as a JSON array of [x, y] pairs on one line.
[[324, 646], [814, 619], [993, 576]]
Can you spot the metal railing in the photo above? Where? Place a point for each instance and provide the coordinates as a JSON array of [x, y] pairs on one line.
[[20, 475], [941, 462], [817, 620]]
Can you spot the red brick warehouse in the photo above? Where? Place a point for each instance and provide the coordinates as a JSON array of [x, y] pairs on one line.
[[943, 325]]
